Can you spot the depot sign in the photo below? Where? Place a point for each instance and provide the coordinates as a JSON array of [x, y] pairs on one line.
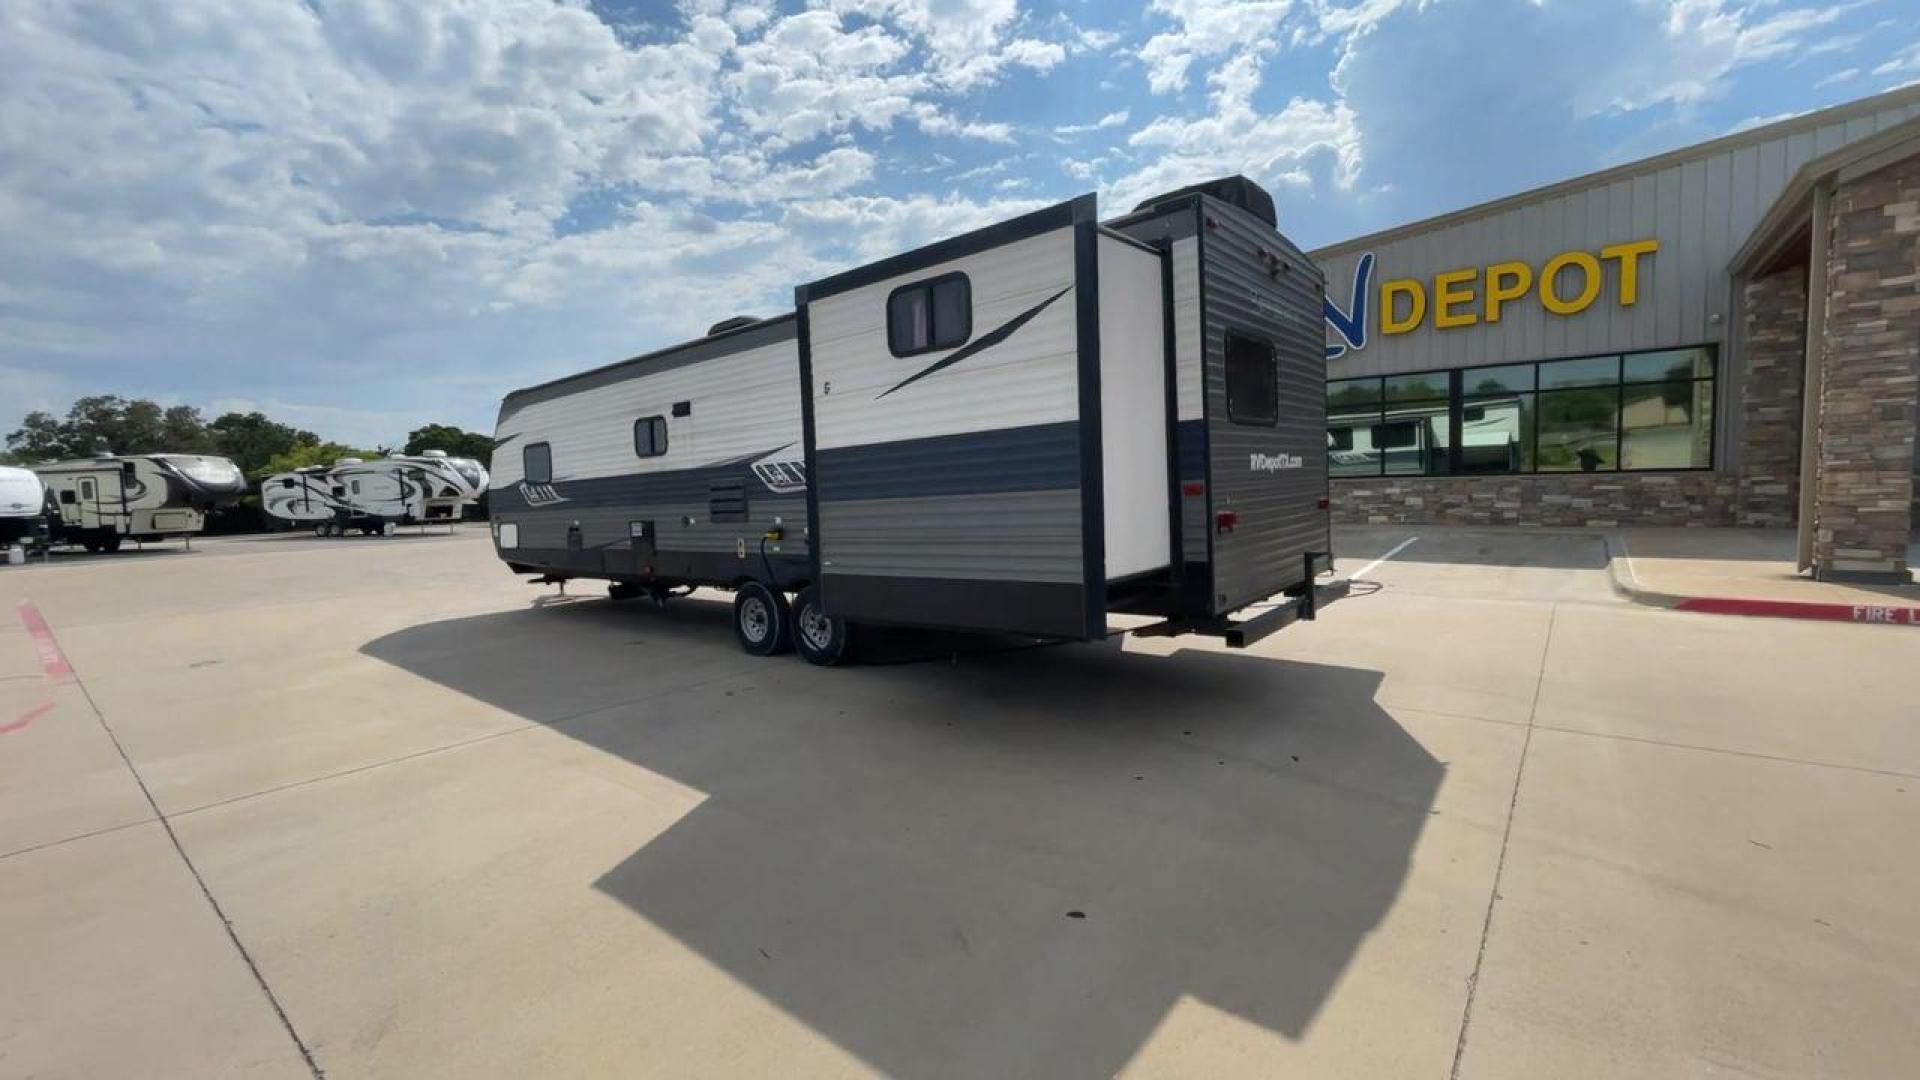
[[1566, 284]]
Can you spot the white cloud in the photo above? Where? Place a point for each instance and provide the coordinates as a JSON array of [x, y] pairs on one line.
[[1111, 120], [1843, 75], [1206, 28], [1903, 62], [1236, 138]]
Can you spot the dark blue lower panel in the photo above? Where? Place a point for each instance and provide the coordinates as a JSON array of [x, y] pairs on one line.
[[1044, 609], [1033, 458]]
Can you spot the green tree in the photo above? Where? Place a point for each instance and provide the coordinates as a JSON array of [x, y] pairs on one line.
[[107, 423], [306, 454], [456, 443], [252, 440]]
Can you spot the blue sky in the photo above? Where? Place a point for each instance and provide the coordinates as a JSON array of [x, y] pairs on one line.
[[363, 215]]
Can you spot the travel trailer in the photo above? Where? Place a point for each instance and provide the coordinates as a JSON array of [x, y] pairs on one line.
[[23, 508], [98, 502], [1024, 429], [377, 496]]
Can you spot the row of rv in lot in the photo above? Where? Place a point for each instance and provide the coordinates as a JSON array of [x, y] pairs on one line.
[[1026, 429], [100, 502]]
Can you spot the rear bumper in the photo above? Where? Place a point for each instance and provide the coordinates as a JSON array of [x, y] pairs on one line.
[[1269, 617]]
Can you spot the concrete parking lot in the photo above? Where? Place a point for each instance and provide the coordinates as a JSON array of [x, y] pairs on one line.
[[370, 807]]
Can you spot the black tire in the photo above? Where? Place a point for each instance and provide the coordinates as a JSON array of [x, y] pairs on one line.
[[762, 622], [92, 545], [624, 590], [110, 543], [819, 638], [321, 529]]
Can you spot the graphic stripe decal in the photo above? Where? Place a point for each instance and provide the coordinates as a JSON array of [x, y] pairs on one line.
[[980, 344]]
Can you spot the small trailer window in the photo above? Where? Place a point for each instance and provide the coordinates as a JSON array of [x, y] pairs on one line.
[[287, 482], [86, 489], [1253, 389], [66, 497], [537, 463], [930, 315], [650, 436]]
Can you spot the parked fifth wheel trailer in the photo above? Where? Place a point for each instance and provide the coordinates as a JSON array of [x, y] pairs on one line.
[[98, 502], [1024, 429], [375, 497]]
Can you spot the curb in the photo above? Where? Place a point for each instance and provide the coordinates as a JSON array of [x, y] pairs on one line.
[[1620, 576]]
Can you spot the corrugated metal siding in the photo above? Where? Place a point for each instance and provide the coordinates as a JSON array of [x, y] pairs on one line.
[[1021, 396], [1280, 519], [1012, 536], [1701, 210]]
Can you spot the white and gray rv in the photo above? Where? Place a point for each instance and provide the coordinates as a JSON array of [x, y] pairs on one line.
[[97, 502], [23, 508], [1023, 429], [377, 496]]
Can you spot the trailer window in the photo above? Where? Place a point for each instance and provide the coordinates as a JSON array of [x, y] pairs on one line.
[[67, 497], [1253, 387], [930, 315], [86, 489], [287, 483], [537, 463], [650, 436]]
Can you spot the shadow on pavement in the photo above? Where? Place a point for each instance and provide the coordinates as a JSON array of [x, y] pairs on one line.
[[999, 864]]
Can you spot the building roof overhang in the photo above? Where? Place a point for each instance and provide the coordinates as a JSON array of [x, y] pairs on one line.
[[1779, 240]]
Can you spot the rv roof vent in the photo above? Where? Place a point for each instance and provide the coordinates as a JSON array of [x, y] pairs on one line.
[[734, 323], [1235, 190], [433, 453], [349, 461]]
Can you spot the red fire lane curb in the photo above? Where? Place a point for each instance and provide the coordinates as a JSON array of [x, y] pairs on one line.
[[53, 664], [1871, 614]]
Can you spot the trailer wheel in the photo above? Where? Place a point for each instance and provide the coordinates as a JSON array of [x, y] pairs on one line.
[[320, 529], [388, 529], [110, 543], [624, 590], [92, 545], [819, 637], [762, 622]]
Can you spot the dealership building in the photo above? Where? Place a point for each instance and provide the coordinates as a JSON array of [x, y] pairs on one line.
[[1727, 334]]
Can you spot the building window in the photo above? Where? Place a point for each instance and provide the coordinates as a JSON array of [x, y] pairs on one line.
[[1353, 412], [650, 436], [1640, 411], [1253, 382], [1416, 432], [930, 315], [536, 462]]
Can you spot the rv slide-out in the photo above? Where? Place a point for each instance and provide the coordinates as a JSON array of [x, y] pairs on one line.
[[1024, 429]]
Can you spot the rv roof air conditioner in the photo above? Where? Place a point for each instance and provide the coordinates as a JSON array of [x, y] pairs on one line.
[[1233, 190], [734, 323], [433, 453], [349, 461]]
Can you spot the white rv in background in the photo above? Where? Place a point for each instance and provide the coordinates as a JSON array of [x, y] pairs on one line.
[[23, 508], [301, 497], [376, 496], [98, 502], [1024, 429]]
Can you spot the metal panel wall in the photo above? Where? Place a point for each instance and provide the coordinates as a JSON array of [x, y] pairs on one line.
[[1700, 208], [1259, 284]]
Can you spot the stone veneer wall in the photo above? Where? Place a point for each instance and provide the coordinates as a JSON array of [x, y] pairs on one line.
[[1579, 499], [1870, 375], [1770, 400]]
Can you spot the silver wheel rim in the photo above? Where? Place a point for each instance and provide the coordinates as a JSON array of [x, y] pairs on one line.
[[816, 628], [754, 619]]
